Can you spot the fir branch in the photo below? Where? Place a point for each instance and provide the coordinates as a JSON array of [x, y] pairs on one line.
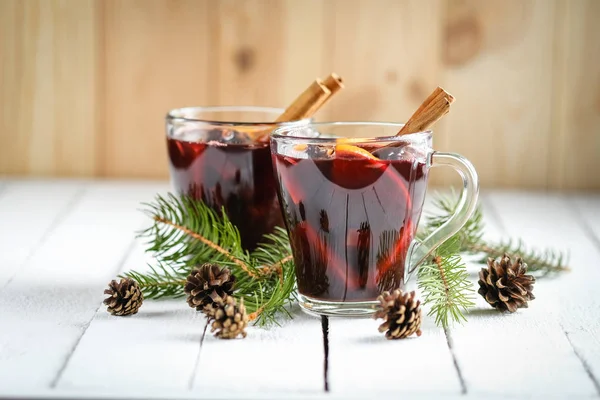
[[175, 247], [158, 282], [445, 284], [540, 263], [186, 232], [274, 255], [209, 243]]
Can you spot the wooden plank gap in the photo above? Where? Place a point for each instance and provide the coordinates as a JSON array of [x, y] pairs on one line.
[[63, 367], [60, 217], [586, 365], [463, 385], [197, 363], [325, 329]]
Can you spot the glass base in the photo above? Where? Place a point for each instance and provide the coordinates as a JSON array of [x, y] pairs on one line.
[[337, 308]]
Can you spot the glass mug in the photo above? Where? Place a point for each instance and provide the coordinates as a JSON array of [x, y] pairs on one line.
[[351, 194], [213, 157]]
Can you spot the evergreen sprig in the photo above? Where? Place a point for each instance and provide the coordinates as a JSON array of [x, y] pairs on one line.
[[540, 263], [445, 284], [186, 232], [176, 220], [159, 282]]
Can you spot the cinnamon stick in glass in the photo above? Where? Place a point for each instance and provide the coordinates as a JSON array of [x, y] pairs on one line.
[[429, 112], [308, 102]]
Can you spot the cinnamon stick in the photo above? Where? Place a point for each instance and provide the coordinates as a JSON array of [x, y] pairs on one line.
[[307, 103], [429, 112], [334, 83]]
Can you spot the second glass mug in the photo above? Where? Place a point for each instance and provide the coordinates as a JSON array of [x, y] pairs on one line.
[[351, 194], [213, 157]]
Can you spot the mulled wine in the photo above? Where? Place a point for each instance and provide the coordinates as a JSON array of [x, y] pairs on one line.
[[351, 194], [237, 177], [351, 217], [222, 164]]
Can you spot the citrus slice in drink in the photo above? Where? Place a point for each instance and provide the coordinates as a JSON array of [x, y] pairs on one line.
[[351, 151], [353, 167]]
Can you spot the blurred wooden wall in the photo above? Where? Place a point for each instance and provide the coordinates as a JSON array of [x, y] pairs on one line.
[[85, 84]]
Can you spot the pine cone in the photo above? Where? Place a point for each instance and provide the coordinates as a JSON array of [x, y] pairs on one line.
[[208, 284], [229, 319], [401, 314], [504, 285], [125, 297]]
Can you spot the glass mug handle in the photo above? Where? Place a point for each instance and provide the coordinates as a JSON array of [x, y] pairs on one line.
[[465, 208]]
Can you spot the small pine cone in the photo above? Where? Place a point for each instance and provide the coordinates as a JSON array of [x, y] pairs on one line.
[[208, 284], [401, 314], [229, 319], [125, 297], [504, 284]]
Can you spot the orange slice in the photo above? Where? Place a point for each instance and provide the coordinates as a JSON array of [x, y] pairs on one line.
[[354, 151], [301, 147]]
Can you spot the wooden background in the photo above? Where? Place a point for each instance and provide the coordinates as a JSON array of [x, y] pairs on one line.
[[85, 84]]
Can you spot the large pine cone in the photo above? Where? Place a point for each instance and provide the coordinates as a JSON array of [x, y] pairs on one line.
[[125, 297], [504, 285], [208, 284], [401, 314], [229, 319]]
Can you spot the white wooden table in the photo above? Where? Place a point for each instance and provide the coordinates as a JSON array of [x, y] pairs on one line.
[[62, 241]]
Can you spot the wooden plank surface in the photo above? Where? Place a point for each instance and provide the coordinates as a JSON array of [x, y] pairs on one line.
[[48, 87], [364, 363], [286, 360], [492, 342], [568, 301], [248, 48], [163, 339], [57, 340], [304, 49], [85, 84], [584, 334], [574, 148], [484, 44], [157, 51], [367, 44], [588, 209], [26, 224], [48, 305]]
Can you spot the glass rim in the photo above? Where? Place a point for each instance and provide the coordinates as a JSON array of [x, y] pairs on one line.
[[416, 136], [172, 116]]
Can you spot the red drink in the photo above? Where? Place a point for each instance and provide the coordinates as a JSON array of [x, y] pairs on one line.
[[215, 157], [351, 219], [237, 177]]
